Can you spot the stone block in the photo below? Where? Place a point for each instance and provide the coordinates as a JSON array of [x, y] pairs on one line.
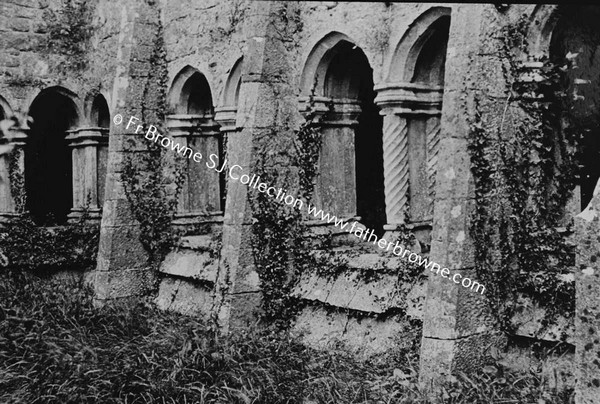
[[122, 283], [190, 264], [454, 178], [451, 244], [19, 24], [245, 309], [118, 210], [442, 357], [365, 336], [349, 291], [184, 297], [453, 311], [120, 248]]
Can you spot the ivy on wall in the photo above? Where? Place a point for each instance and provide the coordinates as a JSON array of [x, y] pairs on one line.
[[69, 32], [27, 246], [525, 167], [151, 181], [282, 244]]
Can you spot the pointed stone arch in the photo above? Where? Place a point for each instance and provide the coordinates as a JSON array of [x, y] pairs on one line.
[[411, 102], [190, 93], [338, 80], [89, 145], [193, 124], [48, 160], [226, 113], [413, 42]]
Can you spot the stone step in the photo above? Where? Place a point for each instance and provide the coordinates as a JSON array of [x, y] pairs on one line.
[[348, 290], [184, 297], [191, 263], [351, 289]]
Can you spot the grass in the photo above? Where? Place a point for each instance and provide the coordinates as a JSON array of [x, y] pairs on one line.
[[56, 347]]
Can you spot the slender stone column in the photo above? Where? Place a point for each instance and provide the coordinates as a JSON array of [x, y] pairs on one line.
[[204, 184], [180, 128], [399, 103], [395, 169], [199, 196], [89, 150], [226, 117], [335, 188], [12, 205]]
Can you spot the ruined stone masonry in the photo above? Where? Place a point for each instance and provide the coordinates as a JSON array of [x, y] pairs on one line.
[[392, 87]]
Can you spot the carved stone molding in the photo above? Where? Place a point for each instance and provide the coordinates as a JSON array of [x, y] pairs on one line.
[[226, 118], [409, 99], [331, 112]]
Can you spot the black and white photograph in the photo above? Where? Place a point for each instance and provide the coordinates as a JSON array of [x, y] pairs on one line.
[[299, 202]]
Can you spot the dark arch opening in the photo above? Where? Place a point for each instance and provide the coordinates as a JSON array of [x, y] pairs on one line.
[[577, 35], [48, 162], [349, 76], [196, 94], [429, 67], [100, 116]]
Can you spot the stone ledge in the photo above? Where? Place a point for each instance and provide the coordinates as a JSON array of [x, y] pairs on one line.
[[190, 264], [349, 291]]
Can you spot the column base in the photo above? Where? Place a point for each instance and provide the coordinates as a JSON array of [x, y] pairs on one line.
[[421, 231]]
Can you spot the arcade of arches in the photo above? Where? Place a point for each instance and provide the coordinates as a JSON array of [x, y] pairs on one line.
[[394, 122]]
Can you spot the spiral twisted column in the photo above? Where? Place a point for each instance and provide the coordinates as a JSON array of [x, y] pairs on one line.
[[433, 140], [400, 103], [395, 168]]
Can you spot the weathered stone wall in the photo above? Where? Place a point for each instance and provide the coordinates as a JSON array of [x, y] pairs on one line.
[[211, 273], [28, 67]]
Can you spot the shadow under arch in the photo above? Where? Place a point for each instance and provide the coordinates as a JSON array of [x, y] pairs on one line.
[[192, 124], [419, 34], [48, 160], [190, 93], [338, 78]]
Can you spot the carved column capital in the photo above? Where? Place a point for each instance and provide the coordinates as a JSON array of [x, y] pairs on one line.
[[192, 125], [330, 111], [409, 99], [226, 117], [91, 136]]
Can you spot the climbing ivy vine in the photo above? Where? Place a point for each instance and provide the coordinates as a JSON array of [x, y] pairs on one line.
[[525, 169], [151, 182], [69, 31]]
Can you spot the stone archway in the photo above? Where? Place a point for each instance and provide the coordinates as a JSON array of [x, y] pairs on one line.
[[89, 144], [349, 184], [48, 160], [411, 102], [193, 125]]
